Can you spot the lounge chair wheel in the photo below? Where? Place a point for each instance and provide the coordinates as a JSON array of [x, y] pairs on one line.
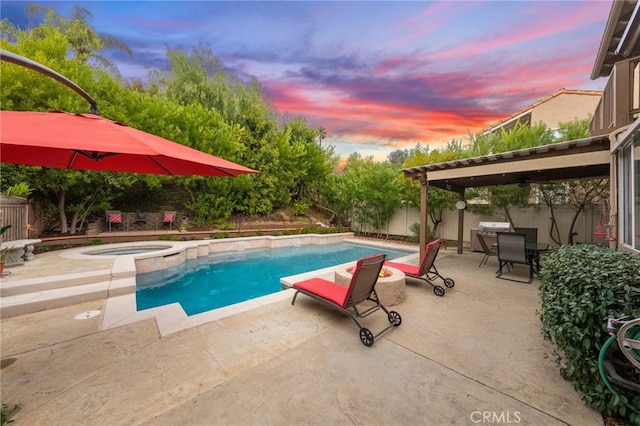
[[449, 283], [439, 291], [395, 318], [366, 336]]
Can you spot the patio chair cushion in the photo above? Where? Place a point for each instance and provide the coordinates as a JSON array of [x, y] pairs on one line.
[[115, 217], [407, 269], [325, 289]]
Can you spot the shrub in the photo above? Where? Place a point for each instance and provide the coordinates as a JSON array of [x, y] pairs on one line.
[[581, 286], [301, 207], [224, 225], [415, 228], [6, 413]]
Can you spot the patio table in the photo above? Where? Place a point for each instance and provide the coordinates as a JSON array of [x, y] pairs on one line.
[[534, 250]]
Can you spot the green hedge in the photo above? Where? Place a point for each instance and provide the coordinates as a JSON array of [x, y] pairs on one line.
[[581, 286]]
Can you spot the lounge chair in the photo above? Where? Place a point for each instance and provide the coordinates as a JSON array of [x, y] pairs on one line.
[[512, 248], [347, 299], [427, 270]]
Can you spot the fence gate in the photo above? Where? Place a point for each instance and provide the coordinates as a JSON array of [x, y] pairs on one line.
[[14, 211]]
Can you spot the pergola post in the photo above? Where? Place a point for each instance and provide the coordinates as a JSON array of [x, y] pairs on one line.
[[424, 212], [460, 223], [612, 232]]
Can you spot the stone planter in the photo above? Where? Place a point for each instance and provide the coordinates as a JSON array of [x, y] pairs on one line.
[[390, 289]]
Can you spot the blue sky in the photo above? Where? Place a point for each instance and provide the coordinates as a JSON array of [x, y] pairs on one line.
[[376, 75]]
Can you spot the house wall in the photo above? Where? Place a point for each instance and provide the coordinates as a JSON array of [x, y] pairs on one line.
[[564, 108]]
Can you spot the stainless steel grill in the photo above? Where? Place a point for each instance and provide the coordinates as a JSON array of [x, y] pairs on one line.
[[488, 231], [490, 228]]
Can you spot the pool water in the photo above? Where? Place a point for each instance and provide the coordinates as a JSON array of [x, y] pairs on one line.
[[224, 279]]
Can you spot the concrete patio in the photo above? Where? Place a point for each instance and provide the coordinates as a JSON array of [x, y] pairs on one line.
[[474, 356]]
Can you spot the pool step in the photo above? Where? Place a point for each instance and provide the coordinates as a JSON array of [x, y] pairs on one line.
[[37, 285], [26, 296], [56, 298]]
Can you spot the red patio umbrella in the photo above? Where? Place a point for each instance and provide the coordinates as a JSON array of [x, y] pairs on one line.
[[90, 142]]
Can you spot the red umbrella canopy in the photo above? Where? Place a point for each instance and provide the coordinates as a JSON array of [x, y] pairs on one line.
[[90, 142]]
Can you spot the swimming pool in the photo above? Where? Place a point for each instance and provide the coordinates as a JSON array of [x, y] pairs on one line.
[[218, 280]]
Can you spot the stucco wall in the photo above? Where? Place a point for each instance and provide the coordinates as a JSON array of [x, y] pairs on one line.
[[530, 217], [564, 108]]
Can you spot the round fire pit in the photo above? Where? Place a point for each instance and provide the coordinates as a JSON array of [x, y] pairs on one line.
[[390, 286]]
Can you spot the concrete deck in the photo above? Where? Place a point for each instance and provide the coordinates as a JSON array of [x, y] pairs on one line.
[[474, 356]]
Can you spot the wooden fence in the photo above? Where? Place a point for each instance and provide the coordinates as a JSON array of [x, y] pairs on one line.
[[14, 211]]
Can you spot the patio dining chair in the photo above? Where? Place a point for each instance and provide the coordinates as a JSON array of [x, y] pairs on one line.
[[114, 216], [169, 217], [512, 248], [531, 234], [141, 218], [488, 251], [349, 300]]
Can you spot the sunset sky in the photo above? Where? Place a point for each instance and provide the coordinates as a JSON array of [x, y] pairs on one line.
[[376, 75]]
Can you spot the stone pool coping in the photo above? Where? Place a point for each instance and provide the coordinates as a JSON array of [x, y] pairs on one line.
[[118, 285]]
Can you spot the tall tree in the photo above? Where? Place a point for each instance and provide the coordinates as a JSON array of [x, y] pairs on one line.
[[398, 156], [87, 45], [322, 135]]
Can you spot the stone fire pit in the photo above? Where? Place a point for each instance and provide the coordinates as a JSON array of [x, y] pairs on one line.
[[390, 286]]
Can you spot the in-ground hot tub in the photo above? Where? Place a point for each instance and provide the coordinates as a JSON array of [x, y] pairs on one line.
[[126, 250]]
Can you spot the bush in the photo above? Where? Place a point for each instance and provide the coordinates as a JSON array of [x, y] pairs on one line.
[[415, 228], [6, 413], [301, 207], [581, 286]]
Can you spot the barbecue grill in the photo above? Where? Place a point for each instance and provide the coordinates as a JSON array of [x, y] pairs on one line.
[[488, 231]]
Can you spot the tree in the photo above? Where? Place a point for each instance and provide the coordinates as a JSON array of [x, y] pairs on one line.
[[439, 200], [398, 156], [573, 130], [322, 135], [552, 196], [555, 194], [505, 197], [368, 193], [583, 193], [86, 43]]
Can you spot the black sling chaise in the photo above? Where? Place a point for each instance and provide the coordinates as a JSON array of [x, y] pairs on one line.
[[348, 299], [426, 271]]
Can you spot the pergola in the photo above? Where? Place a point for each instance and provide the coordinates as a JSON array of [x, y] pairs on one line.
[[582, 158]]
